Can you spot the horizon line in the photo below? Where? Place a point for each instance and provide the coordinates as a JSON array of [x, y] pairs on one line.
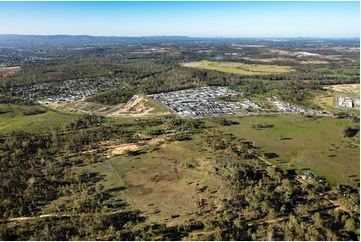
[[186, 36]]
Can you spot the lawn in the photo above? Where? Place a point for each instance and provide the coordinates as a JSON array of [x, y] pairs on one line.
[[239, 68]]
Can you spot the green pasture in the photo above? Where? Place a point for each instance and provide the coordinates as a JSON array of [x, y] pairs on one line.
[[302, 143]]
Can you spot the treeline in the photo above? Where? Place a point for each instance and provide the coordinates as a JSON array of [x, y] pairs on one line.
[[288, 91], [8, 99]]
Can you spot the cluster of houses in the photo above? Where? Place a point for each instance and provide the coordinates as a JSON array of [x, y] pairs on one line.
[[65, 91], [202, 101], [287, 108], [291, 108], [205, 101]]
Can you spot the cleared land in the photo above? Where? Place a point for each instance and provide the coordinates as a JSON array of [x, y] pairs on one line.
[[137, 106], [8, 71], [346, 88], [169, 181], [239, 68], [302, 143], [317, 62]]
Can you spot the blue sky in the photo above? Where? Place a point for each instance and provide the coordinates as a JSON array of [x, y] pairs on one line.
[[196, 19]]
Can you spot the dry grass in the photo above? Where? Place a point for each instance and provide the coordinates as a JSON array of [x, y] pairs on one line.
[[159, 183], [326, 102]]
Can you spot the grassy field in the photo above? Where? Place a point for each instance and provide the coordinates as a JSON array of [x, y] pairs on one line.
[[303, 143], [239, 68], [166, 180], [16, 118]]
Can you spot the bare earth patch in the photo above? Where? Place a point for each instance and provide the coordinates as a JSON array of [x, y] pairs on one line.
[[121, 149], [282, 52], [352, 88], [315, 62], [192, 64]]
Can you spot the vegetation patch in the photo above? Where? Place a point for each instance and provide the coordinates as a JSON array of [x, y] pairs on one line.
[[239, 68]]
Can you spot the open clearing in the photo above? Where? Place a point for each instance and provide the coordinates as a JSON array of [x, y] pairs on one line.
[[346, 88], [239, 68], [159, 182], [316, 62], [318, 144]]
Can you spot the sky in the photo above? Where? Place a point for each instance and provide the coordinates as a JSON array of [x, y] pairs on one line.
[[194, 19]]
